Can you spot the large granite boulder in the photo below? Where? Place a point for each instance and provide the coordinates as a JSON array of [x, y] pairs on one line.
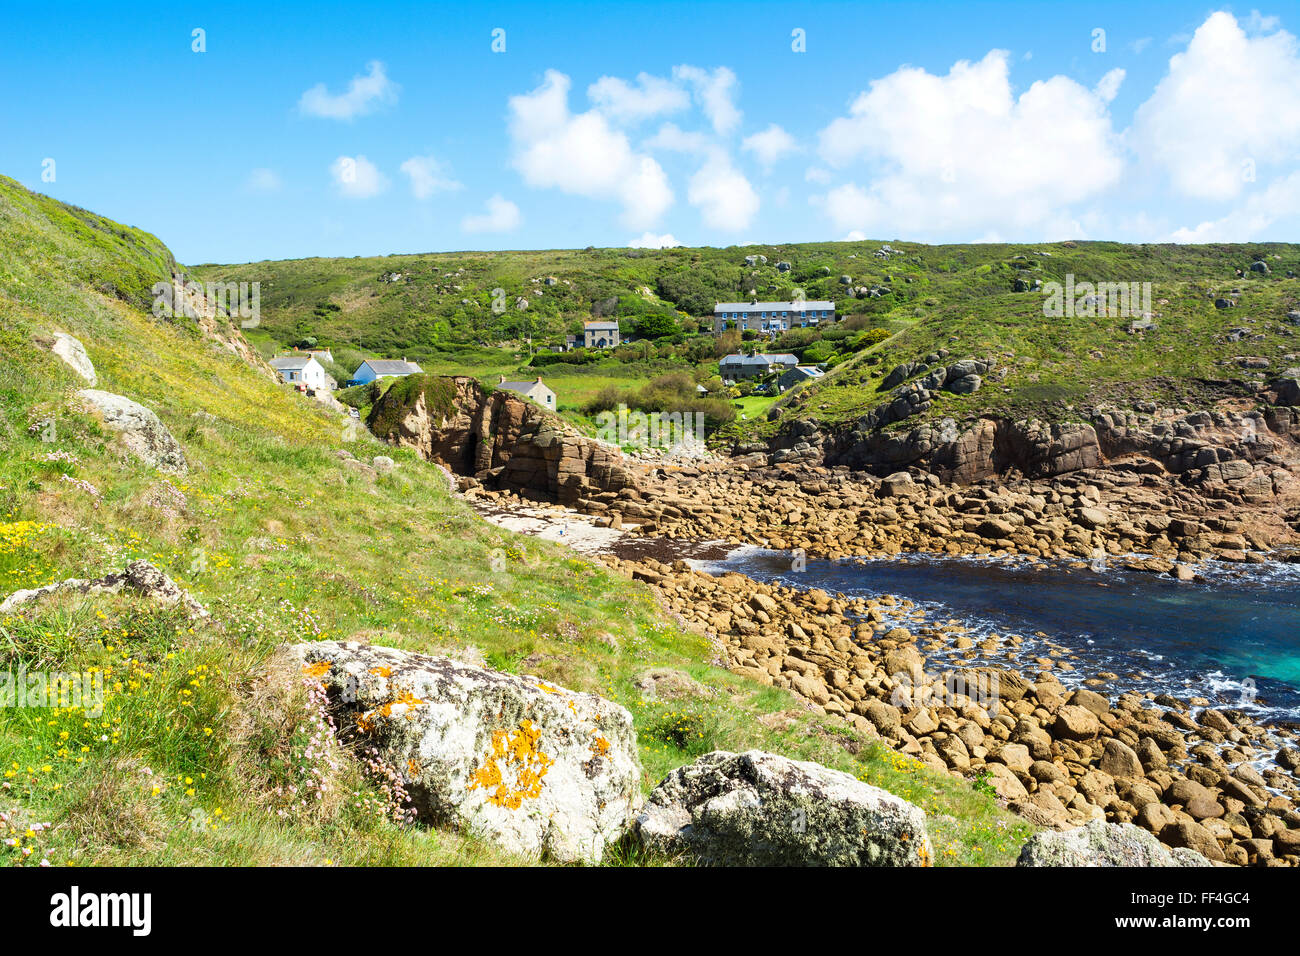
[[143, 432], [1104, 844], [532, 767], [760, 809]]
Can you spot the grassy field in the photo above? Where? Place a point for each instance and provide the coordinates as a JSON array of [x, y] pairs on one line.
[[207, 751]]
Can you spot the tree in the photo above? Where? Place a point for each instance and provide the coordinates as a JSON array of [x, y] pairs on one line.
[[657, 325], [727, 342]]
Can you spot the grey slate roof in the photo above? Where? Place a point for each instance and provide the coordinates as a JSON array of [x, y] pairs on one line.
[[391, 366], [764, 359], [290, 362], [818, 304]]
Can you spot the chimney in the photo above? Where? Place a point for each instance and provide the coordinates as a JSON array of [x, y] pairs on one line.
[[501, 380], [539, 380]]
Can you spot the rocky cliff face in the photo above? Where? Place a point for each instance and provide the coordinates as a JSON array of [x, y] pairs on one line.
[[1234, 452], [498, 439]]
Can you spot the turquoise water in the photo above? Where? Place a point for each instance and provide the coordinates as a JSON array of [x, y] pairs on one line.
[[1233, 638]]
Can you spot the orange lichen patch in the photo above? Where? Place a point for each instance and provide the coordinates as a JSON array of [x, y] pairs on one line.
[[412, 768], [318, 670], [520, 754], [600, 747], [382, 671], [406, 701], [549, 690], [366, 722]]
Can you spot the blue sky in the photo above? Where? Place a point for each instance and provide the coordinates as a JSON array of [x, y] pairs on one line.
[[364, 129]]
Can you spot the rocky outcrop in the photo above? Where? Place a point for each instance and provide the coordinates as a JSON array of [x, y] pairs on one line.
[[139, 576], [1226, 454], [143, 433], [1104, 844], [500, 439], [964, 454], [759, 809], [532, 767]]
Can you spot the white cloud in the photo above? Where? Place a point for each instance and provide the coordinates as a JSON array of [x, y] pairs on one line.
[[623, 102], [1140, 44], [816, 174], [715, 91], [1108, 87], [769, 145], [1253, 219], [854, 235], [502, 216], [676, 140], [365, 93], [428, 176], [263, 180], [649, 240], [357, 177], [961, 152], [1229, 103], [725, 198], [583, 155]]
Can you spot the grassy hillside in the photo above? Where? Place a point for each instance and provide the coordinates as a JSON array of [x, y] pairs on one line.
[[1051, 367], [924, 298], [208, 751]]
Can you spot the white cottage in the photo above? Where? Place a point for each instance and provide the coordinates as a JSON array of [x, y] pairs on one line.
[[300, 370], [535, 390], [371, 369]]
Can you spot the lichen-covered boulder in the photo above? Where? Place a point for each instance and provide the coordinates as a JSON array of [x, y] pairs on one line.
[[760, 809], [1099, 843], [143, 432], [532, 767], [139, 576]]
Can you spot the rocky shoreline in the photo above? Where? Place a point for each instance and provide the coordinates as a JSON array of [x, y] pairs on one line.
[[1182, 770]]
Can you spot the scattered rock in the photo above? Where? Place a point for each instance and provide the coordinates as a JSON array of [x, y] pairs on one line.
[[759, 809], [142, 431], [140, 576], [74, 356], [1103, 844]]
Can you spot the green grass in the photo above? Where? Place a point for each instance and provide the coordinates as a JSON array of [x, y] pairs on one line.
[[754, 407], [204, 730]]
